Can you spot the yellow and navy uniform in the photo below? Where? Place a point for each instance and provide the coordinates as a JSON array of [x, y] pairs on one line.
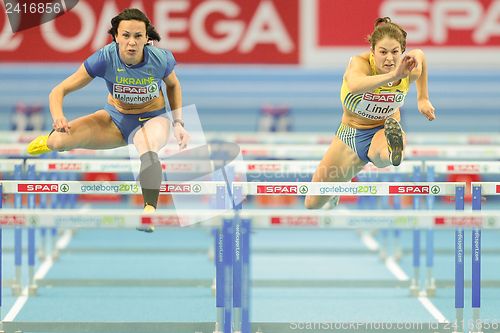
[[379, 104]]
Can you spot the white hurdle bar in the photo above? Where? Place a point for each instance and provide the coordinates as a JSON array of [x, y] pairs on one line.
[[108, 187], [451, 138], [350, 189], [287, 151], [276, 218], [239, 166], [247, 167], [8, 165], [464, 167]]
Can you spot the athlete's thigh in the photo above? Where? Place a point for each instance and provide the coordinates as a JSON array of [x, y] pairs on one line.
[[153, 135], [94, 131], [340, 163]]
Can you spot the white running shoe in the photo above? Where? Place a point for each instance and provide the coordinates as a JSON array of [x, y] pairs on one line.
[[332, 203]]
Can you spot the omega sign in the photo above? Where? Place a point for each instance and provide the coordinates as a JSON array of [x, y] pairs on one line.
[[237, 30]]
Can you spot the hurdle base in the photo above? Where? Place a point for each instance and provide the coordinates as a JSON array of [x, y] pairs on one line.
[[414, 288], [398, 255], [32, 290], [382, 254], [430, 289], [477, 325], [16, 290]]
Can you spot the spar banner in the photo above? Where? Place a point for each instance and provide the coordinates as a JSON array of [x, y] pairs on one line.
[[453, 33], [197, 31], [435, 23]]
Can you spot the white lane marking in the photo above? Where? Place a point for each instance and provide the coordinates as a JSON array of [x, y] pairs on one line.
[[40, 274], [395, 269], [400, 274], [433, 310], [369, 241]]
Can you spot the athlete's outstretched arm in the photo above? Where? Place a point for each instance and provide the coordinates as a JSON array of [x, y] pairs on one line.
[[419, 75], [75, 81], [358, 76], [174, 94]]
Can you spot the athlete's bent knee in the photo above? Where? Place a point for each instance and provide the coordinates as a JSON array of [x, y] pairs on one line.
[[56, 142], [311, 203]]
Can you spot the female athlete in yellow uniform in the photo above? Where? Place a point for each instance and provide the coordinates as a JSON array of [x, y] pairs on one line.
[[374, 88]]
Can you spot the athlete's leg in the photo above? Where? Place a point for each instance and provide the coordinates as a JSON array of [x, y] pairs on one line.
[[148, 140], [339, 164], [391, 138], [95, 131]]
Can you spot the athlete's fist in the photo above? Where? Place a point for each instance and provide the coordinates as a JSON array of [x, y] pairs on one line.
[[61, 125], [425, 107], [404, 69], [181, 135]]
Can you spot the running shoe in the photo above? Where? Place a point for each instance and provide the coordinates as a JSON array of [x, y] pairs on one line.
[[394, 137], [148, 209], [332, 203], [39, 145]]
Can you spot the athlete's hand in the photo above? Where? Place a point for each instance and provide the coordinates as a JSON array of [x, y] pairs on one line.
[[61, 125], [425, 107], [404, 69], [182, 136]]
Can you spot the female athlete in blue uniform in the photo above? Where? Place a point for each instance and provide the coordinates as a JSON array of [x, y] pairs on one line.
[[133, 70], [374, 88]]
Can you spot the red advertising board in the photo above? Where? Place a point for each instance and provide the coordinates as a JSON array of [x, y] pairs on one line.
[[197, 31], [439, 23]]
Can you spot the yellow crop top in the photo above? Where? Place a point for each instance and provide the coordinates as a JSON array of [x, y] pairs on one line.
[[378, 104]]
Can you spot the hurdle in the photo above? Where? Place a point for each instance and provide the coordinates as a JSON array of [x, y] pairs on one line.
[[433, 168], [329, 189], [46, 218], [478, 190], [15, 167], [450, 138], [215, 189], [241, 189], [285, 151]]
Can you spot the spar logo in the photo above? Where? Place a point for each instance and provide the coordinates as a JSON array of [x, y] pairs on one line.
[[464, 168], [277, 189], [176, 188], [161, 220], [414, 189], [120, 88], [178, 167], [465, 221], [65, 166], [12, 220], [38, 188], [153, 87], [383, 98], [264, 167], [308, 221]]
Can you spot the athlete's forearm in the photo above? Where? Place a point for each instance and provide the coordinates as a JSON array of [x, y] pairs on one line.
[[174, 94], [361, 84], [422, 81], [56, 97]]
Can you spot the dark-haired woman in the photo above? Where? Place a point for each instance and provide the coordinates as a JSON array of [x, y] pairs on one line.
[[374, 88], [135, 110]]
